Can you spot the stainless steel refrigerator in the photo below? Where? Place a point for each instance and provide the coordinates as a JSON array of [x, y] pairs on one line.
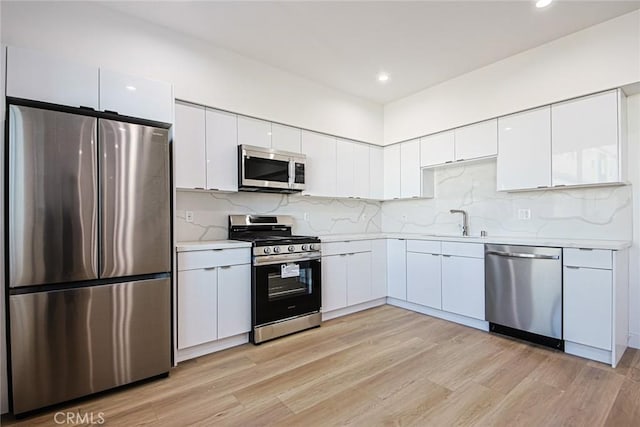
[[88, 252]]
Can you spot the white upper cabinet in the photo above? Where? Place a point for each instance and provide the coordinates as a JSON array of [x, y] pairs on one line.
[[286, 138], [524, 150], [392, 172], [361, 168], [320, 168], [189, 146], [477, 140], [585, 144], [222, 151], [47, 78], [344, 166], [254, 132], [376, 173], [410, 176], [136, 96], [437, 149]]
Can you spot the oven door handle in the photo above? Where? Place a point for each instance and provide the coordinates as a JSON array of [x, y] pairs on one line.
[[282, 259]]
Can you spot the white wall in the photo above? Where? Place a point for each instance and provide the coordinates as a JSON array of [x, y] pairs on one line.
[[4, 404], [200, 72], [597, 58]]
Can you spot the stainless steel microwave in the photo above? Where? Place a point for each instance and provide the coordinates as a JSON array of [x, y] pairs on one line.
[[268, 170]]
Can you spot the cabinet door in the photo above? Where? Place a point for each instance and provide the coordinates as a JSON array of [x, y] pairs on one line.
[[189, 141], [376, 173], [286, 138], [463, 286], [392, 172], [587, 306], [477, 140], [361, 178], [320, 168], [234, 300], [254, 132], [359, 278], [410, 169], [136, 96], [48, 78], [197, 306], [222, 151], [378, 269], [423, 279], [344, 169], [397, 269], [334, 282], [524, 150], [585, 140], [437, 149]]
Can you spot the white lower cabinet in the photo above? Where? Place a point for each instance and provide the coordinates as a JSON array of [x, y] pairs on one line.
[[213, 296], [359, 278], [334, 282], [587, 306], [397, 269], [348, 273], [234, 290], [423, 279], [197, 306], [463, 286]]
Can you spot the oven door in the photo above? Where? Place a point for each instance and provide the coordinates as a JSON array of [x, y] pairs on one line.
[[264, 169], [285, 290]]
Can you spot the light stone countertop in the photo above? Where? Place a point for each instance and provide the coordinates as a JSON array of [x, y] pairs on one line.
[[210, 244], [529, 241]]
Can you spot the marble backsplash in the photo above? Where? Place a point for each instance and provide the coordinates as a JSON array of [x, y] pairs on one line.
[[312, 215], [588, 213]]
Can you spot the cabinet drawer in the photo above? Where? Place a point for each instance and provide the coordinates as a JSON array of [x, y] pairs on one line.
[[213, 258], [423, 246], [470, 250], [591, 258], [335, 248]]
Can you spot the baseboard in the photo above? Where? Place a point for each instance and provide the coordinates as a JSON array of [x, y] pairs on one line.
[[352, 309], [445, 315], [211, 347], [634, 340], [587, 352]]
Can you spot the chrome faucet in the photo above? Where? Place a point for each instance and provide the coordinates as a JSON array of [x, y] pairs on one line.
[[465, 220]]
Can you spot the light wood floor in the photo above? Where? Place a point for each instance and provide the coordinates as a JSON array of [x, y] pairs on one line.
[[381, 366]]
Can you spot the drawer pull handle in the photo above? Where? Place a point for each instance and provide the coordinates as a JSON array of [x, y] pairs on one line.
[[585, 249], [218, 249], [210, 268], [573, 267], [225, 266]]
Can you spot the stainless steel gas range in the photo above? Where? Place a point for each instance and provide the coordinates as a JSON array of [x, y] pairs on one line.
[[285, 276]]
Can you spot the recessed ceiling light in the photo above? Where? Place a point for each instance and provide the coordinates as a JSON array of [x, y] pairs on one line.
[[543, 3], [383, 77]]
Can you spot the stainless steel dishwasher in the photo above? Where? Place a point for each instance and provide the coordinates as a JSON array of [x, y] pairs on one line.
[[523, 293]]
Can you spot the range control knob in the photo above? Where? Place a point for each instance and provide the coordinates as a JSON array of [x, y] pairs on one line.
[[267, 250], [276, 249], [312, 247], [305, 247], [292, 248]]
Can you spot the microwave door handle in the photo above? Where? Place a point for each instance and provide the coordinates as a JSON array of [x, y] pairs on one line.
[[292, 172]]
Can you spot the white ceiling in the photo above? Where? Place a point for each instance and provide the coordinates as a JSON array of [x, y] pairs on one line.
[[344, 45]]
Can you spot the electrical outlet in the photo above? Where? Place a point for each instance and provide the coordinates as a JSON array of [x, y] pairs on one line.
[[524, 214], [188, 216]]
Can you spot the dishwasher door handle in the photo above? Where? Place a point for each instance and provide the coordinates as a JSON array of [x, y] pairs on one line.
[[521, 255]]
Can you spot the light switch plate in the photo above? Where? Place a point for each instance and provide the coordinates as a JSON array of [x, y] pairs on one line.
[[524, 214], [188, 216]]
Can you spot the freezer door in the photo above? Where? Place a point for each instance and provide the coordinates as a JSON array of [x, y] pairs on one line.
[[70, 343], [134, 199], [52, 216]]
